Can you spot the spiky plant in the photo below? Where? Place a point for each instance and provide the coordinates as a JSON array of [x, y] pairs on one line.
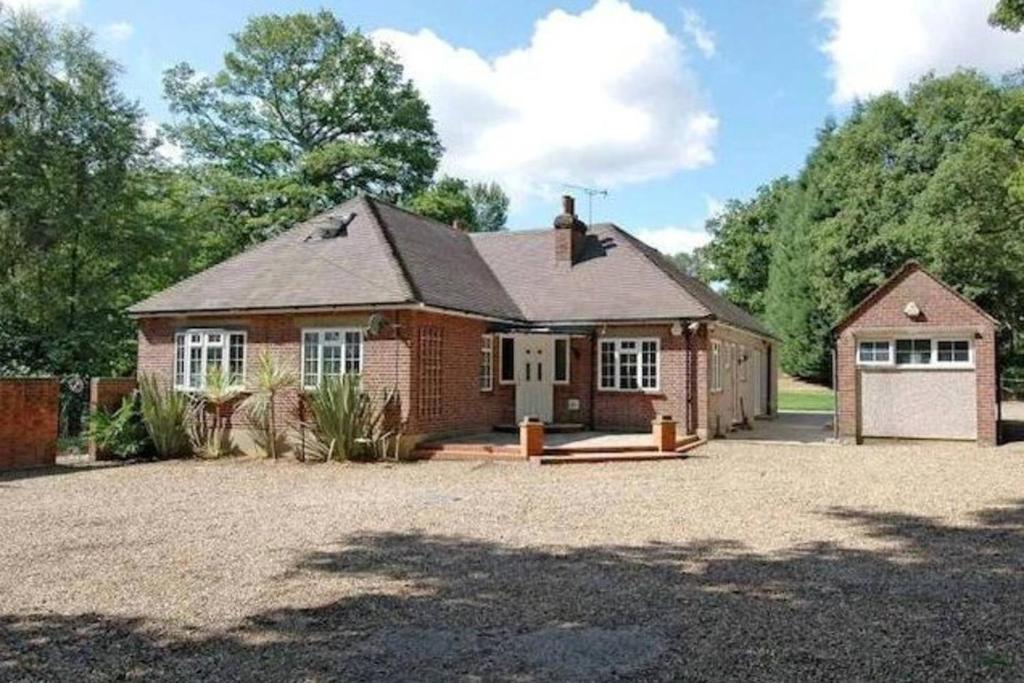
[[211, 436], [270, 380], [346, 422], [165, 414]]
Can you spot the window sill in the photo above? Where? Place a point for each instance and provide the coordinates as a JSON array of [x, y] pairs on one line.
[[647, 392]]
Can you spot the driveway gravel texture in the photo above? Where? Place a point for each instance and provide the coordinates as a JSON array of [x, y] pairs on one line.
[[745, 561]]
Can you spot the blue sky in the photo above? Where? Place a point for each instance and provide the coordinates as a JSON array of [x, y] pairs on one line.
[[672, 106]]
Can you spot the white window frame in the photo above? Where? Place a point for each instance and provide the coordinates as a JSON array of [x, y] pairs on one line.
[[933, 362], [319, 331], [716, 366], [639, 341], [741, 362], [183, 341], [568, 357], [890, 352], [486, 360]]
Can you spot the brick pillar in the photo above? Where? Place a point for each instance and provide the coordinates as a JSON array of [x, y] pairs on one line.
[[847, 390], [663, 428], [531, 437]]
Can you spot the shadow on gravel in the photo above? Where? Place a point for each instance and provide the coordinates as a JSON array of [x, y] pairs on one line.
[[938, 602]]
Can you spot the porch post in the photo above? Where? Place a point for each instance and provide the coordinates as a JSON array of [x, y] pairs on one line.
[[663, 428], [531, 437]]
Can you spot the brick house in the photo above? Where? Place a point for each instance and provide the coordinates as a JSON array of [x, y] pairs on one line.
[[575, 324], [916, 359]]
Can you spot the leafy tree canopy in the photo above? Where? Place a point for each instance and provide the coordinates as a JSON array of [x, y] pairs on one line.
[[935, 175], [304, 114], [479, 207], [1008, 14]]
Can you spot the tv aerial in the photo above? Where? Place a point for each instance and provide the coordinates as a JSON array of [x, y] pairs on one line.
[[591, 192]]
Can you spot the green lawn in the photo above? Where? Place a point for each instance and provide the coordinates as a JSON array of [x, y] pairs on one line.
[[806, 400]]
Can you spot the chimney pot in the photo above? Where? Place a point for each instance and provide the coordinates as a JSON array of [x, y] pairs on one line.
[[568, 205]]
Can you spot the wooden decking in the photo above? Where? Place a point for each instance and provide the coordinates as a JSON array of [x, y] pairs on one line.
[[560, 448]]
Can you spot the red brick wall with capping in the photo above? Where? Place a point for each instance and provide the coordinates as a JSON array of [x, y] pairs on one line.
[[941, 309], [29, 413]]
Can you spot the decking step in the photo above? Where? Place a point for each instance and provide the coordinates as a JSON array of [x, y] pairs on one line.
[[606, 456]]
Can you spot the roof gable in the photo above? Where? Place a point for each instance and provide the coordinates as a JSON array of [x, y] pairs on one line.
[[892, 287]]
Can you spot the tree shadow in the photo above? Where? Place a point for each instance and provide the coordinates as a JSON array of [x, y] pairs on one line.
[[925, 601]]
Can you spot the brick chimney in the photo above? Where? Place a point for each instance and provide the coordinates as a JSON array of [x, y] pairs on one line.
[[570, 233]]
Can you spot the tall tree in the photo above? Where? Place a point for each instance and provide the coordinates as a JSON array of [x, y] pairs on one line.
[[739, 253], [480, 207], [304, 114], [71, 148]]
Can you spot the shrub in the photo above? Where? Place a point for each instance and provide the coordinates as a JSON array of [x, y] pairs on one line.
[[208, 430], [271, 379], [165, 414], [121, 433], [347, 424]]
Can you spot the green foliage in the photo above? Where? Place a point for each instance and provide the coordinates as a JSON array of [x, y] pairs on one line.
[[304, 114], [208, 429], [347, 423], [693, 263], [480, 207], [1008, 14], [121, 433], [739, 253], [165, 413], [270, 380], [935, 175], [70, 145]]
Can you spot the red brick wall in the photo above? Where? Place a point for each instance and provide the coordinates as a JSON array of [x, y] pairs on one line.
[[107, 393], [29, 412], [941, 309], [634, 410]]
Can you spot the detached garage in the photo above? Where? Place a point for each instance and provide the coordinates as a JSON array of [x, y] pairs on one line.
[[916, 360]]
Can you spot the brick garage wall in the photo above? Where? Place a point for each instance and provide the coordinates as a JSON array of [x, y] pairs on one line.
[[29, 411], [107, 393], [634, 410], [942, 311]]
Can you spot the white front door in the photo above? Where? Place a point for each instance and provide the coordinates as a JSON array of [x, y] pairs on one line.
[[535, 369]]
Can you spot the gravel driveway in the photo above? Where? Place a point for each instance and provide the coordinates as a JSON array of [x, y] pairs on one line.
[[744, 561]]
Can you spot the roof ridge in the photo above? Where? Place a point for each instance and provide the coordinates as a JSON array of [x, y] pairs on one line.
[[421, 217], [396, 257]]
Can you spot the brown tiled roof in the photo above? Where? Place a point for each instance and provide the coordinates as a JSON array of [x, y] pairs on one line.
[[391, 256]]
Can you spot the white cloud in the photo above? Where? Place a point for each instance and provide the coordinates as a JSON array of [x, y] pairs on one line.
[[166, 150], [703, 38], [673, 239], [118, 31], [602, 98], [57, 9], [880, 45]]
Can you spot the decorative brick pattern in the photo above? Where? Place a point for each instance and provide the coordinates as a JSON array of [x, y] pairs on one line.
[[941, 310], [29, 426]]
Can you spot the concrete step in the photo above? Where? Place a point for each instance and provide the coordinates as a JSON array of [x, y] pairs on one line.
[[639, 448]]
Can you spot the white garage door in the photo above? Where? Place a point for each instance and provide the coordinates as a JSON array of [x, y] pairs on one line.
[[919, 404]]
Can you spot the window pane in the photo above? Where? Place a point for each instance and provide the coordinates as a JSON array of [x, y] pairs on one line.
[[508, 359], [913, 351], [179, 360], [310, 344], [954, 351], [561, 360], [331, 360], [608, 365], [195, 367], [353, 352], [649, 365], [486, 363], [628, 366], [236, 358]]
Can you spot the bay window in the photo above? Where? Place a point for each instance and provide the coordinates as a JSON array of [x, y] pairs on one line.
[[628, 364], [329, 353], [198, 352]]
